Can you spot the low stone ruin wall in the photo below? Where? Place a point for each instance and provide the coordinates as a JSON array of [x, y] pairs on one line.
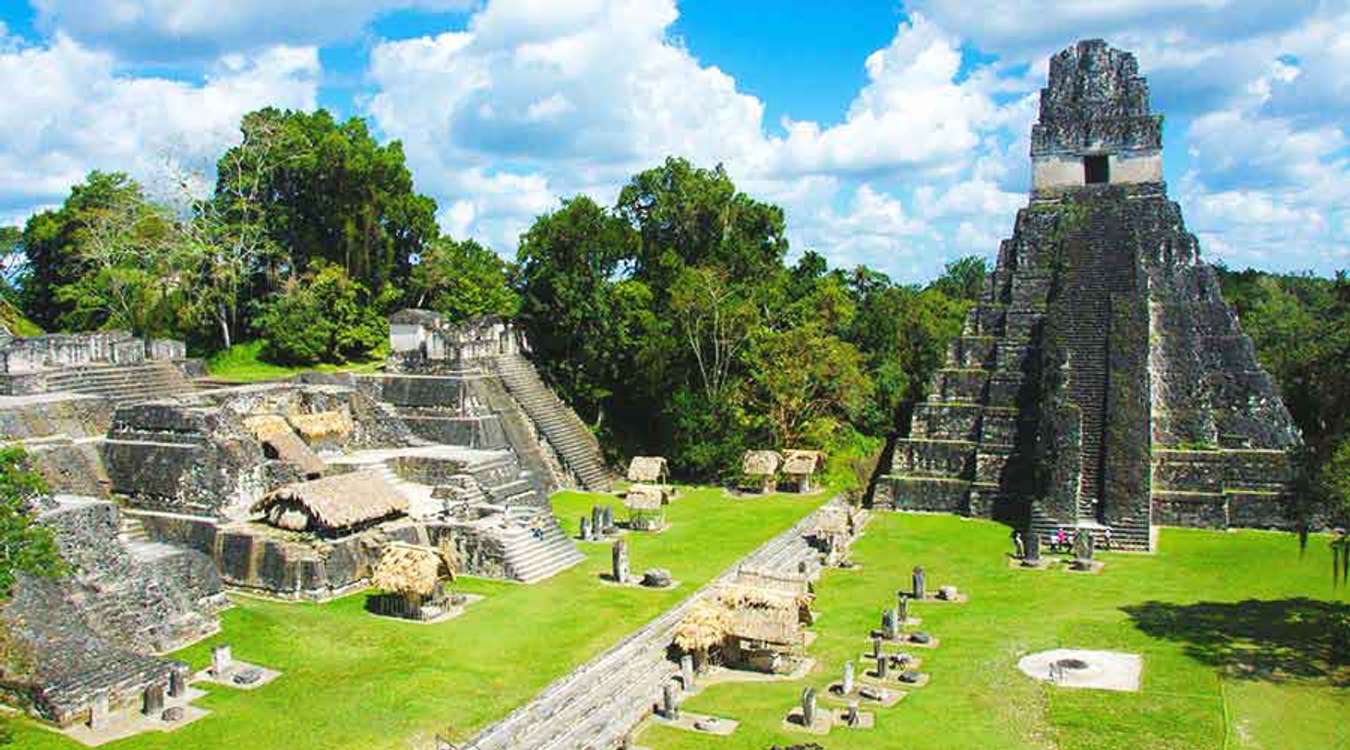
[[194, 454], [94, 632], [186, 459], [35, 417], [71, 664], [70, 467], [442, 409], [257, 558], [146, 598], [480, 553], [63, 350], [1222, 488]]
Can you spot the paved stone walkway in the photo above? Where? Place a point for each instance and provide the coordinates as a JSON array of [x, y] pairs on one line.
[[598, 703]]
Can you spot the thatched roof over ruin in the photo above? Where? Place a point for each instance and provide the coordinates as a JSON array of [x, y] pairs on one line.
[[760, 463], [323, 425], [645, 497], [273, 432], [764, 615], [410, 569], [341, 501], [650, 469], [802, 462], [706, 625], [835, 519], [789, 584], [417, 317]]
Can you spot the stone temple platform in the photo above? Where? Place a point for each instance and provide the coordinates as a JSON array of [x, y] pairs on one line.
[[1101, 382]]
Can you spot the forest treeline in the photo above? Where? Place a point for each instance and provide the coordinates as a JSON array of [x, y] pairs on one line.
[[672, 320]]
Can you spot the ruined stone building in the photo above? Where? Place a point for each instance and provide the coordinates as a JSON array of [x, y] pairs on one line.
[[1101, 381], [172, 489]]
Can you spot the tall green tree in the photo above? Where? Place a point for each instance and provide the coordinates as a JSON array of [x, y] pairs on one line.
[[324, 316], [55, 245], [807, 384], [587, 318], [462, 280], [689, 216], [334, 194], [25, 546], [131, 267]]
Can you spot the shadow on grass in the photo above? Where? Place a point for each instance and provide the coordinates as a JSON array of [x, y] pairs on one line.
[[1260, 640]]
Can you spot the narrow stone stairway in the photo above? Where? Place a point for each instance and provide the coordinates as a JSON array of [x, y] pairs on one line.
[[122, 384], [556, 422]]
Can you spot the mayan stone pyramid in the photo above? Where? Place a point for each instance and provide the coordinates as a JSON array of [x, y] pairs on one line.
[[1102, 382]]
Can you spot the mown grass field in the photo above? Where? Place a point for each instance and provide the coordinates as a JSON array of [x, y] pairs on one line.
[[1235, 630], [351, 680], [243, 363]]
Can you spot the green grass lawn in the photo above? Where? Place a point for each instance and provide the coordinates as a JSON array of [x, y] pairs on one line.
[[1234, 630], [243, 363], [354, 680]]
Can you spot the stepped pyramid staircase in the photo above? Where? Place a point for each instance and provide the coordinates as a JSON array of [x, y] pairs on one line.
[[531, 558], [569, 437], [972, 444], [533, 544], [122, 384]]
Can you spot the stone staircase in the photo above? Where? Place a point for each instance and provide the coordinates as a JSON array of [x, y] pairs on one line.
[[530, 558], [131, 530], [122, 384], [973, 442], [569, 437]]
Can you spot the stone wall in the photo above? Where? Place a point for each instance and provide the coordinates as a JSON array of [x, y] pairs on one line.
[[95, 631], [62, 350], [256, 557], [34, 417], [184, 458], [69, 664]]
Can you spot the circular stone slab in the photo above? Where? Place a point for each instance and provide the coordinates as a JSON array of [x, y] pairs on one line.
[[1077, 668]]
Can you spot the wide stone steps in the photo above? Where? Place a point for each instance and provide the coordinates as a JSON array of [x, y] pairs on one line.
[[560, 427], [529, 558], [122, 383], [131, 530]]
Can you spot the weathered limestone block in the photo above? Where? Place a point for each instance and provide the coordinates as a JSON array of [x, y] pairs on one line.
[[946, 421], [1189, 470], [934, 458], [962, 386], [972, 352], [55, 415], [986, 320], [929, 493], [1194, 509], [998, 426]]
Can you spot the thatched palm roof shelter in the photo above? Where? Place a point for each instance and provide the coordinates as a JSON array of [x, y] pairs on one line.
[[760, 463], [802, 462], [410, 570], [281, 442], [648, 469], [645, 497], [323, 426], [706, 626], [765, 616], [333, 505]]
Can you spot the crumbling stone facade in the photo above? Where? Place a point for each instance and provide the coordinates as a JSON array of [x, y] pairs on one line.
[[1101, 382], [96, 631]]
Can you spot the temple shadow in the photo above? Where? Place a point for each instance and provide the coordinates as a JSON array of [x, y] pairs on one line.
[[1296, 638]]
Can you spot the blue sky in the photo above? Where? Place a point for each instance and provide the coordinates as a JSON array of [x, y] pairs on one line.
[[893, 134]]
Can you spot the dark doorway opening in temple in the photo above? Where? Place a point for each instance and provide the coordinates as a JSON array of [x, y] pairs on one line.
[[1096, 170]]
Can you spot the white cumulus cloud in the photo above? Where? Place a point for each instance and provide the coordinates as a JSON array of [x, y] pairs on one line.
[[68, 110]]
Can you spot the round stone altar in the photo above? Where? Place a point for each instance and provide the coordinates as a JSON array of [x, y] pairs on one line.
[[1077, 668]]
